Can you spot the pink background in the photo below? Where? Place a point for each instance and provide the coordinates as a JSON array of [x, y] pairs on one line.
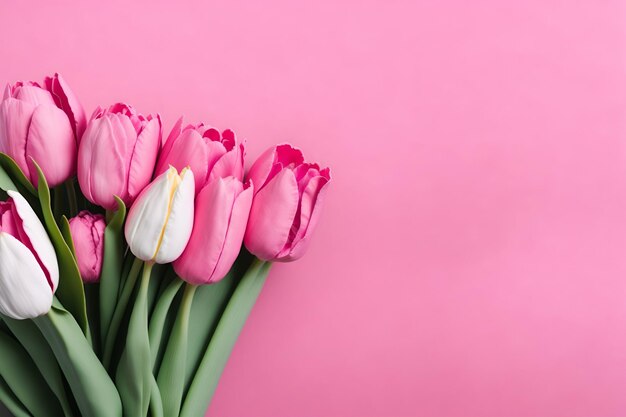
[[472, 256]]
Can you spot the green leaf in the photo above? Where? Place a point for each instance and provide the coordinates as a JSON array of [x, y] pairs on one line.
[[134, 373], [171, 378], [6, 183], [234, 317], [91, 386], [10, 401], [208, 305], [14, 171], [32, 340], [111, 267], [21, 374], [67, 234], [157, 320], [70, 292]]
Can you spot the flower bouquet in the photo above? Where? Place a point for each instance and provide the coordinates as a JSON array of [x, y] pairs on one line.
[[123, 281]]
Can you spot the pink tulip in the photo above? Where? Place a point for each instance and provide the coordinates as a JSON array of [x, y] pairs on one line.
[[287, 202], [221, 214], [42, 123], [202, 148], [117, 154], [87, 232]]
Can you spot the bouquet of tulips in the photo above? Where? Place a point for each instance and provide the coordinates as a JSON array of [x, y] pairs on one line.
[[129, 263]]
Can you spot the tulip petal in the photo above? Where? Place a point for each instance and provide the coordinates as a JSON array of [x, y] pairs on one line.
[[306, 219], [50, 133], [213, 208], [68, 102], [15, 118], [25, 290], [34, 95], [234, 237], [175, 132], [102, 178], [146, 218], [143, 157], [179, 222], [272, 215], [188, 149], [38, 237], [230, 164], [271, 162]]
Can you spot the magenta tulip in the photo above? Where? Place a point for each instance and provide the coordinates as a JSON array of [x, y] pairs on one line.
[[209, 153], [287, 203], [42, 124], [117, 154], [87, 232], [221, 213]]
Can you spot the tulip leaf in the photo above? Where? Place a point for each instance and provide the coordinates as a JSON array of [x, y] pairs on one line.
[[25, 380], [27, 333], [6, 183], [16, 173], [112, 265], [159, 316], [134, 373], [171, 378], [231, 322], [91, 386], [64, 227], [71, 291], [208, 305], [10, 401]]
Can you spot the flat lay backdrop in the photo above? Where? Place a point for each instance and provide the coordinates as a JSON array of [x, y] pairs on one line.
[[471, 260]]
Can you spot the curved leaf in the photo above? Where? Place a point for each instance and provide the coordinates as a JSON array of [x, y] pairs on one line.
[[15, 172], [93, 389], [223, 340], [25, 380], [111, 267], [71, 292], [35, 344], [10, 401]]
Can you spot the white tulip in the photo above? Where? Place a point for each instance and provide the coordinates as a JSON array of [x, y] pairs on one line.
[[29, 273], [160, 220]]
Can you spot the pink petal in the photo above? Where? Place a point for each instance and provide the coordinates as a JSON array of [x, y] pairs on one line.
[[271, 162], [50, 133], [188, 149], [272, 215], [15, 116], [143, 157]]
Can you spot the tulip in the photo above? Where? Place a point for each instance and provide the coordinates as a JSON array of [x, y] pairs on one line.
[[29, 274], [286, 206], [37, 122], [207, 152], [221, 215], [117, 154], [159, 224], [87, 232]]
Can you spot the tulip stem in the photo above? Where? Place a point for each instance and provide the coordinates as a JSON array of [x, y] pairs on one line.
[[120, 309], [71, 197]]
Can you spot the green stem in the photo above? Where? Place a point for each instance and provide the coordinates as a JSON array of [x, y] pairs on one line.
[[133, 376], [120, 309], [171, 379], [234, 317], [71, 196], [157, 320]]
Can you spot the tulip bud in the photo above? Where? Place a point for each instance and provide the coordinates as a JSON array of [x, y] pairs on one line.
[[87, 232], [29, 273], [221, 215], [117, 154], [207, 152], [37, 122], [159, 224], [286, 206]]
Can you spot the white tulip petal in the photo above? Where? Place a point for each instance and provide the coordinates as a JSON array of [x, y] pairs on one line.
[[38, 237], [180, 221], [147, 217], [24, 289]]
